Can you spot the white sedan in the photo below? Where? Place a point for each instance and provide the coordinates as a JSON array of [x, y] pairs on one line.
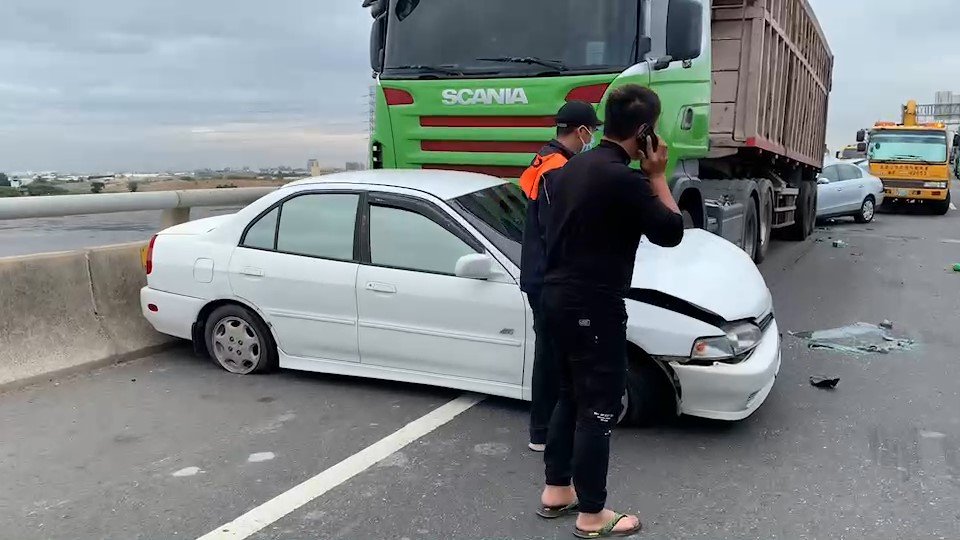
[[846, 188], [412, 276]]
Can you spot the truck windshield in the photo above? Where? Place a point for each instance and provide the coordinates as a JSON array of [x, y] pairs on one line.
[[499, 213], [909, 146], [510, 38]]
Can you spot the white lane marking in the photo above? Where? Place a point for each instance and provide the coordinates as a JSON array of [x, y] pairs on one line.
[[949, 241], [260, 456], [953, 206], [187, 471], [288, 501]]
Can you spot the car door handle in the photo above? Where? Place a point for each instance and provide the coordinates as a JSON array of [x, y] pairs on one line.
[[381, 287], [251, 271]]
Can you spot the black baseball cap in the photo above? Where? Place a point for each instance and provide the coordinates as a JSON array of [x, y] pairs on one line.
[[576, 114]]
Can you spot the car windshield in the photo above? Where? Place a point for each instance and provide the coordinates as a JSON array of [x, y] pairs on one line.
[[499, 213], [447, 38], [909, 146]]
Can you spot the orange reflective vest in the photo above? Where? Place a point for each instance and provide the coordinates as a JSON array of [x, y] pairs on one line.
[[530, 180]]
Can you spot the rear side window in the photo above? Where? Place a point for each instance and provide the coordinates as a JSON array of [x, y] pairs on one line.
[[315, 225], [849, 172]]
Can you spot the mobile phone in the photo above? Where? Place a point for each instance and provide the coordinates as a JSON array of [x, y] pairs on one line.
[[654, 140]]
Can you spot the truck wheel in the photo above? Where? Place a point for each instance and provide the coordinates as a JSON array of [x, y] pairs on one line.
[[649, 398], [751, 230], [806, 215], [766, 221], [940, 208]]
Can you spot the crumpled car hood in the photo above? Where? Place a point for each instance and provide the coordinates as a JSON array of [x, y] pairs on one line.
[[706, 271]]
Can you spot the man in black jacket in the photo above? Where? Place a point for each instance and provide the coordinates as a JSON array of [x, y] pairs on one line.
[[599, 209], [576, 125]]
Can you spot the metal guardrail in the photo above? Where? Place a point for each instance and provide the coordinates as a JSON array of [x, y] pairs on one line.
[[175, 205]]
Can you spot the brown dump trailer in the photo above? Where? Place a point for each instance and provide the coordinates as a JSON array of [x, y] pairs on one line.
[[772, 75]]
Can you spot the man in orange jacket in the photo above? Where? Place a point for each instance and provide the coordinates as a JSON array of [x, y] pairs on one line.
[[577, 124]]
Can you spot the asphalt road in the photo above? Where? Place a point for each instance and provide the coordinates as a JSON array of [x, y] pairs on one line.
[[172, 447]]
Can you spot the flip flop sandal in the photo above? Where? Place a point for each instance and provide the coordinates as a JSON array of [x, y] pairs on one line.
[[607, 530], [554, 512]]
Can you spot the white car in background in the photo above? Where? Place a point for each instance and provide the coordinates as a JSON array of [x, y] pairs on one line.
[[412, 276], [846, 188]]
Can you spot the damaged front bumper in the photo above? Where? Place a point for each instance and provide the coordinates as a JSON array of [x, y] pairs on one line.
[[731, 391]]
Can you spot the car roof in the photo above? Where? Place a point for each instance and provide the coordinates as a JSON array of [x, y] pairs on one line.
[[445, 185]]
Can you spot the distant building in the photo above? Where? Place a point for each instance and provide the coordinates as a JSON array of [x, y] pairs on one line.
[[355, 166], [313, 166]]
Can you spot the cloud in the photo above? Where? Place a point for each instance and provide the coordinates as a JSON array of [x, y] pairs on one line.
[[138, 75]]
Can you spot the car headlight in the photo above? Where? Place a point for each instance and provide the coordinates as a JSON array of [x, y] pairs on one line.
[[935, 185], [740, 339]]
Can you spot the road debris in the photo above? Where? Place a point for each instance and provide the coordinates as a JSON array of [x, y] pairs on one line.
[[857, 339], [839, 244], [828, 383], [956, 267], [887, 324]]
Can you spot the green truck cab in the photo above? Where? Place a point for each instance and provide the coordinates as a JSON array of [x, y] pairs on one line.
[[474, 86]]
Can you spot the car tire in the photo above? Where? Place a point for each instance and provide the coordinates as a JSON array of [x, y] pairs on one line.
[[649, 398], [868, 210], [238, 341], [940, 208]]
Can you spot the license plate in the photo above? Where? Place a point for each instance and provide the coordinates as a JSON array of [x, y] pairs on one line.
[[903, 192]]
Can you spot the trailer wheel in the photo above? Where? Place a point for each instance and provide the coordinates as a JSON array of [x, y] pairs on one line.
[[806, 215]]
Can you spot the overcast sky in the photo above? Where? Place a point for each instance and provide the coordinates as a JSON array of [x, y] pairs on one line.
[[104, 85]]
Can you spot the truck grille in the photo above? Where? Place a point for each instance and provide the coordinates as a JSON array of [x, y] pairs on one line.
[[517, 153]]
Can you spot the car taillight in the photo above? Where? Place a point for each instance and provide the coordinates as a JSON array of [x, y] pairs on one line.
[[148, 265], [395, 96], [591, 94]]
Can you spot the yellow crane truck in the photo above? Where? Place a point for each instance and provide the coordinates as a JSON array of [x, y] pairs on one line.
[[912, 160]]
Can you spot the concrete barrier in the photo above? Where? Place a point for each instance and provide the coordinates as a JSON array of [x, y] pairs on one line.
[[65, 311]]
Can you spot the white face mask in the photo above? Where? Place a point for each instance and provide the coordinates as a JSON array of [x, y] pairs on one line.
[[590, 144]]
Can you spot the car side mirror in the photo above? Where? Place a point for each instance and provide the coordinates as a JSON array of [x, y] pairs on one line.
[[861, 136], [861, 147], [684, 29], [475, 266], [378, 37], [822, 180]]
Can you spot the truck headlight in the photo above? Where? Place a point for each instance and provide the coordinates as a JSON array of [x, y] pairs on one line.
[[740, 339], [935, 185]]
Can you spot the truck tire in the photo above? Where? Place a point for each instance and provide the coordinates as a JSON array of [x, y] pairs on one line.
[[751, 229], [940, 208], [806, 215], [766, 220]]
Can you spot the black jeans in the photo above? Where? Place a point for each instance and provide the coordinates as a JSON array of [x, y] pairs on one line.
[[588, 333], [546, 382]]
